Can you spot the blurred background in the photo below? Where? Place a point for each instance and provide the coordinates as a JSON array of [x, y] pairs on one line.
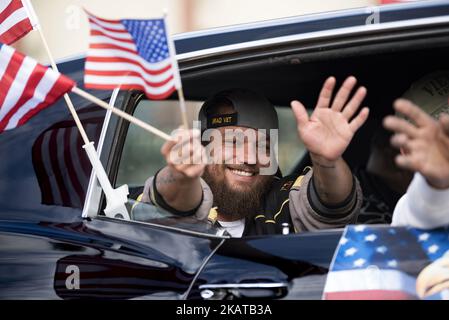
[[66, 28]]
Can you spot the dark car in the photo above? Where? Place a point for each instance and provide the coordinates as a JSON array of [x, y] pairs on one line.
[[56, 242]]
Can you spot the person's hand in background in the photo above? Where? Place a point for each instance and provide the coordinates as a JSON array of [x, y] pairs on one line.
[[424, 142]]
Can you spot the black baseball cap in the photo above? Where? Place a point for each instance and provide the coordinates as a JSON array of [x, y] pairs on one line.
[[250, 109]]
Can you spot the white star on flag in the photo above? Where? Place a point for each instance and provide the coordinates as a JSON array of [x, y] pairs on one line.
[[343, 241], [433, 248], [423, 236], [350, 252], [359, 228], [359, 262], [381, 249], [392, 263], [371, 237], [392, 231]]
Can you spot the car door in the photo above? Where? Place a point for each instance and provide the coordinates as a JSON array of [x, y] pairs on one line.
[[290, 266]]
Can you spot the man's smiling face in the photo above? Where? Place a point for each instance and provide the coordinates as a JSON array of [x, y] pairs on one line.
[[240, 163], [236, 182]]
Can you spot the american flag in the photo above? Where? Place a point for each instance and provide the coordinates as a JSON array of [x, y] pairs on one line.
[[26, 87], [383, 262], [130, 54], [17, 18], [61, 165]]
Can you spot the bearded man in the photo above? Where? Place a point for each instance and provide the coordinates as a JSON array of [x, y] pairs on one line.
[[238, 189]]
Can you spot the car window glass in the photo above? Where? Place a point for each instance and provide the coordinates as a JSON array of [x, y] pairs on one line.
[[291, 148]]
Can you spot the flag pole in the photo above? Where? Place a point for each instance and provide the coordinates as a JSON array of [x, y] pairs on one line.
[[182, 106], [122, 114], [66, 96], [177, 76], [36, 26]]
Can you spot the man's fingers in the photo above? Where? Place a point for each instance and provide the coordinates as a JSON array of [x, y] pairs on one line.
[[300, 112], [398, 125], [188, 154], [199, 156], [190, 170], [182, 167], [192, 156], [413, 112], [325, 96], [354, 103], [343, 94], [194, 171], [359, 120], [183, 144], [186, 145], [167, 146]]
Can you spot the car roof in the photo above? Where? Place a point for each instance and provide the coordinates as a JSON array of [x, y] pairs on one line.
[[193, 43], [229, 35]]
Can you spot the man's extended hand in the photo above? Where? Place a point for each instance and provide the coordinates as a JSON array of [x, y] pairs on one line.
[[179, 181], [425, 143], [328, 131], [327, 134], [188, 164]]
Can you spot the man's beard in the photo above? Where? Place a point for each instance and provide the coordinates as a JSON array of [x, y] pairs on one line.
[[236, 203]]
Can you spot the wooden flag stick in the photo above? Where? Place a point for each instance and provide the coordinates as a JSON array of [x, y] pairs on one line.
[[182, 106], [122, 114], [66, 96], [177, 76]]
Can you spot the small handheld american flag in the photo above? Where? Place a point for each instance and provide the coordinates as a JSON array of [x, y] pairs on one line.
[[17, 18], [26, 87], [130, 54]]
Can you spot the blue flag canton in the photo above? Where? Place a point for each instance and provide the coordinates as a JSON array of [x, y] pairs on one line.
[[150, 38], [405, 249]]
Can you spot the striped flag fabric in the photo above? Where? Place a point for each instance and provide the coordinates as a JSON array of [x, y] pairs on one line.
[[17, 18], [387, 263], [130, 54], [26, 87], [62, 167]]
